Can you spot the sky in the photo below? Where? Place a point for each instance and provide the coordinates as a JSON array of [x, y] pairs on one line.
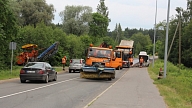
[[129, 13]]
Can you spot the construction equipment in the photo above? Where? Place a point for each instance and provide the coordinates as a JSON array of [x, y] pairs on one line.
[[101, 62], [126, 46], [30, 53], [48, 52]]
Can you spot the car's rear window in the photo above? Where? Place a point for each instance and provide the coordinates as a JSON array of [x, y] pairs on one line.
[[76, 60], [35, 65]]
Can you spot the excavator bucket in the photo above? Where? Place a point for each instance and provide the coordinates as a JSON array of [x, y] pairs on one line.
[[94, 72]]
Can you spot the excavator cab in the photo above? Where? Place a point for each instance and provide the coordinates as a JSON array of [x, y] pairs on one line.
[[29, 54]]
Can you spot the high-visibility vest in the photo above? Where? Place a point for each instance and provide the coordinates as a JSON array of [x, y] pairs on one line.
[[63, 60]]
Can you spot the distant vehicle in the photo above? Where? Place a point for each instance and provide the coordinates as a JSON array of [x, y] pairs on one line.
[[145, 57], [76, 65], [126, 46], [38, 71]]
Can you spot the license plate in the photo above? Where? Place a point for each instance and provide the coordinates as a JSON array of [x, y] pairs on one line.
[[30, 71]]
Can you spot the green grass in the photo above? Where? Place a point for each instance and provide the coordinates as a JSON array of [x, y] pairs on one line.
[[7, 74], [176, 88]]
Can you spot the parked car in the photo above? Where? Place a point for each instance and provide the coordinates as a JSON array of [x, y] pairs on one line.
[[38, 71], [76, 65]]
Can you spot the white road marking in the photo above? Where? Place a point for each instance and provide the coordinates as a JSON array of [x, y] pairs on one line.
[[36, 88], [104, 91]]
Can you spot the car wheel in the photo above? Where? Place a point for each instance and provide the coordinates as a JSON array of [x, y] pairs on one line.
[[22, 81], [46, 79], [55, 79], [69, 70]]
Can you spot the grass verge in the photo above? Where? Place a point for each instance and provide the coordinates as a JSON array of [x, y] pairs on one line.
[[176, 88]]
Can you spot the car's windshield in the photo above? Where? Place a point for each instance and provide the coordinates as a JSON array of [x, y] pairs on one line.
[[35, 65], [100, 53]]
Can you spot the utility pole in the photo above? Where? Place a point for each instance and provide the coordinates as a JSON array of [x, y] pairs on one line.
[[172, 41], [179, 41], [166, 41], [154, 34], [117, 37]]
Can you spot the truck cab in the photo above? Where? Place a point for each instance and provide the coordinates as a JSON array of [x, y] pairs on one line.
[[105, 57]]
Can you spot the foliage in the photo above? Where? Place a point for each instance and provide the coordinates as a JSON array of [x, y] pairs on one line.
[[98, 26], [31, 12], [176, 87], [8, 31], [141, 43], [75, 19], [103, 10]]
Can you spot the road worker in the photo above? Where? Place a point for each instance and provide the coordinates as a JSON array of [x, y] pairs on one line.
[[141, 61], [64, 59]]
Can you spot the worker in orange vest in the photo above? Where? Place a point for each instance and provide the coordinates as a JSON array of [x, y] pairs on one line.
[[141, 61], [64, 59]]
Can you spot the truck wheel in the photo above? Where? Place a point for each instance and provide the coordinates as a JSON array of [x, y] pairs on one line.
[[118, 68], [109, 79]]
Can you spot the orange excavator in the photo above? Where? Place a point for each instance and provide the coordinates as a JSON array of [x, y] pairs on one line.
[[30, 53], [101, 62]]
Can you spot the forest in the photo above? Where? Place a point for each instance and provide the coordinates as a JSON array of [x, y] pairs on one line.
[[30, 21]]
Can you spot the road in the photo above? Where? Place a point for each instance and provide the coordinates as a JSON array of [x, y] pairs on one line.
[[70, 91]]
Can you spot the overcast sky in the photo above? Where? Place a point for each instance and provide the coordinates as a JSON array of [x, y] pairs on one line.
[[129, 13]]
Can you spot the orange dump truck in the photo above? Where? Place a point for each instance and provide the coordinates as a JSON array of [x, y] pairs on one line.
[[126, 46], [101, 62]]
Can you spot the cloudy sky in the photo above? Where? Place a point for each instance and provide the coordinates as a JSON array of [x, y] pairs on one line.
[[129, 13]]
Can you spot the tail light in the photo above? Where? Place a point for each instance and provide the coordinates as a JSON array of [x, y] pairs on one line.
[[81, 61], [22, 71], [70, 61], [41, 72]]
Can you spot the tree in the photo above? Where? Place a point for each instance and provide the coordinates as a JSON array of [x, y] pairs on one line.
[[75, 19], [8, 32], [139, 38], [98, 25], [35, 11], [103, 10]]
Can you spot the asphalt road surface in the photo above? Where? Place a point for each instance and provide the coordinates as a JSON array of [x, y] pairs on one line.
[[132, 88], [69, 91]]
